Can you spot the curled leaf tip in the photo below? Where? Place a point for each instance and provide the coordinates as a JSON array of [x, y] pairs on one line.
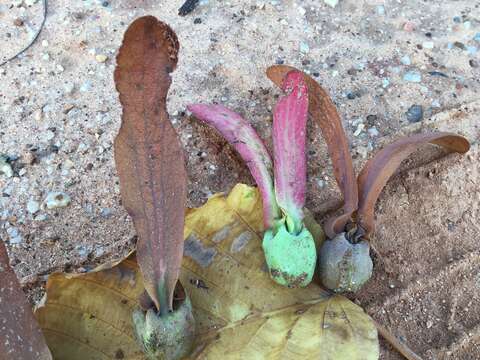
[[382, 166], [148, 155], [289, 143], [241, 135]]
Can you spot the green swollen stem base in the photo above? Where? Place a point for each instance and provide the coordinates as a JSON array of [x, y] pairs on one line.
[[167, 337], [291, 258]]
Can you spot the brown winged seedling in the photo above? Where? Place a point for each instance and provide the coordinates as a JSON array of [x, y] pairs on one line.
[[150, 164], [344, 260], [20, 335]]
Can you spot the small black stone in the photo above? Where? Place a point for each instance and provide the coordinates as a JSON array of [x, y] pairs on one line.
[[414, 113], [353, 95], [352, 71], [188, 7], [438, 73], [197, 21], [473, 63], [371, 119]]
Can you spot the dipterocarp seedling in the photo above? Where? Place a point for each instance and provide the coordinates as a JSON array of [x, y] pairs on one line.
[[344, 259], [288, 245]]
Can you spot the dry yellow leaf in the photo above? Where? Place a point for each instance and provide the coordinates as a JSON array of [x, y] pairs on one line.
[[240, 312]]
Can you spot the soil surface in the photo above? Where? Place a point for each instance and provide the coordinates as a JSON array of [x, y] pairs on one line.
[[392, 68]]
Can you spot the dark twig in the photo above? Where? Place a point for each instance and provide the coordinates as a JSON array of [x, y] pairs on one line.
[[35, 36], [398, 345], [187, 7]]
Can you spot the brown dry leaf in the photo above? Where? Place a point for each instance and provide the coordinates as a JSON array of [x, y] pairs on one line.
[[324, 112], [381, 167], [20, 335], [240, 312], [148, 154]]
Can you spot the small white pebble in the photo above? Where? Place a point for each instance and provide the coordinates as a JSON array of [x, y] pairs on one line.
[[56, 199], [68, 164], [86, 86], [304, 48], [373, 132], [14, 235], [69, 87], [41, 217], [359, 129], [331, 3], [5, 167], [49, 135], [381, 10], [428, 45], [38, 115], [33, 206], [101, 58], [405, 60], [321, 183]]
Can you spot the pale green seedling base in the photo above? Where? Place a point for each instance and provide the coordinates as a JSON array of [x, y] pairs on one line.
[[345, 266], [290, 258], [165, 337]]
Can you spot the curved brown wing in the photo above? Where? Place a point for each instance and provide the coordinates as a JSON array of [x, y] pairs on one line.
[[381, 167]]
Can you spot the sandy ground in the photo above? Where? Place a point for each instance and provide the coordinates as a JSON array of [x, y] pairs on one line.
[[59, 114]]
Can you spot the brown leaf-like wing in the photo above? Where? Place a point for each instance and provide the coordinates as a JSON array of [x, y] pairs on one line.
[[381, 167], [20, 334], [323, 111], [149, 156]]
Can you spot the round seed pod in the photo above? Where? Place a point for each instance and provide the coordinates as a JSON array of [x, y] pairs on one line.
[[167, 337], [291, 258], [344, 266]]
